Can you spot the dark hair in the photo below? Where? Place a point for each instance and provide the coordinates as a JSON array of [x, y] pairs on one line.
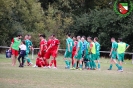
[[69, 34], [53, 35], [120, 39], [42, 35], [73, 37], [23, 42], [84, 37], [96, 38], [90, 38], [19, 35]]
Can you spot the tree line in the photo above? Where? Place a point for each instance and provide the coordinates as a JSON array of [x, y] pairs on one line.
[[94, 18]]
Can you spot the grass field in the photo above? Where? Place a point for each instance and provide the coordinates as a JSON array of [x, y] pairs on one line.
[[28, 77]]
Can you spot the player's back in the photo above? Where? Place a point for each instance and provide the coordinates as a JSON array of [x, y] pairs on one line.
[[87, 48], [80, 44], [70, 42], [97, 47], [55, 43], [114, 46], [28, 43], [43, 43]]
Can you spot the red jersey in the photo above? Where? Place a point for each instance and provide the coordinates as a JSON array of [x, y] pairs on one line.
[[54, 44], [75, 45], [49, 42], [43, 43], [12, 41]]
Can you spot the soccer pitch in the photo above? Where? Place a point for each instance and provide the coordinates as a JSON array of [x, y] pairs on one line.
[[28, 77]]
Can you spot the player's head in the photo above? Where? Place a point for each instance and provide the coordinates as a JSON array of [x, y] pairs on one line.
[[78, 37], [95, 39], [89, 39], [119, 39], [74, 38], [82, 39], [112, 39], [26, 36], [29, 36], [68, 35], [53, 36], [42, 36], [19, 36], [23, 42]]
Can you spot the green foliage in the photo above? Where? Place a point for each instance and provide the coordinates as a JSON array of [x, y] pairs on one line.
[[18, 16], [105, 24], [79, 17]]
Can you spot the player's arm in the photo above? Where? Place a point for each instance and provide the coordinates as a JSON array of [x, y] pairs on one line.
[[31, 46], [111, 51], [77, 48], [48, 47], [112, 48], [58, 43], [68, 46], [58, 48], [41, 48], [11, 44], [127, 46]]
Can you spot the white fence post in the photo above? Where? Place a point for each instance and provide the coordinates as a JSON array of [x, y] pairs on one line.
[[132, 58], [33, 54]]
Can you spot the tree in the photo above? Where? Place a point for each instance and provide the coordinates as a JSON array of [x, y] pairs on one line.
[[18, 16]]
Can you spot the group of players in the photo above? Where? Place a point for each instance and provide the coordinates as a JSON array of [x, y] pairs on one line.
[[82, 51], [21, 48], [87, 52], [47, 49], [79, 51]]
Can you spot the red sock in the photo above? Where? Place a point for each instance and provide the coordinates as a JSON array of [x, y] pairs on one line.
[[55, 63], [51, 63]]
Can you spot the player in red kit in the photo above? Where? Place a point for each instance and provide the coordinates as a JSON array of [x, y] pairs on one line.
[[74, 49], [40, 61], [53, 50]]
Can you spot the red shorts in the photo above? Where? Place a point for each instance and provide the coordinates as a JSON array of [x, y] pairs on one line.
[[40, 62], [73, 54], [51, 53], [41, 55], [15, 52]]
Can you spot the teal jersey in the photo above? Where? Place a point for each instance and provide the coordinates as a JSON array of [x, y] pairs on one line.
[[87, 48], [28, 44], [114, 46], [80, 44], [69, 42], [97, 47]]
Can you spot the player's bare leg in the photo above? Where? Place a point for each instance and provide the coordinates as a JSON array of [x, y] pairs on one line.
[[15, 60], [13, 57]]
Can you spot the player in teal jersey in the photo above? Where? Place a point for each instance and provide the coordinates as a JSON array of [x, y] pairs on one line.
[[29, 46], [68, 52], [87, 55], [92, 53], [122, 47], [78, 55], [97, 51], [113, 54]]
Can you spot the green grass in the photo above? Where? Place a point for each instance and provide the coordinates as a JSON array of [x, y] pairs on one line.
[[28, 77]]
